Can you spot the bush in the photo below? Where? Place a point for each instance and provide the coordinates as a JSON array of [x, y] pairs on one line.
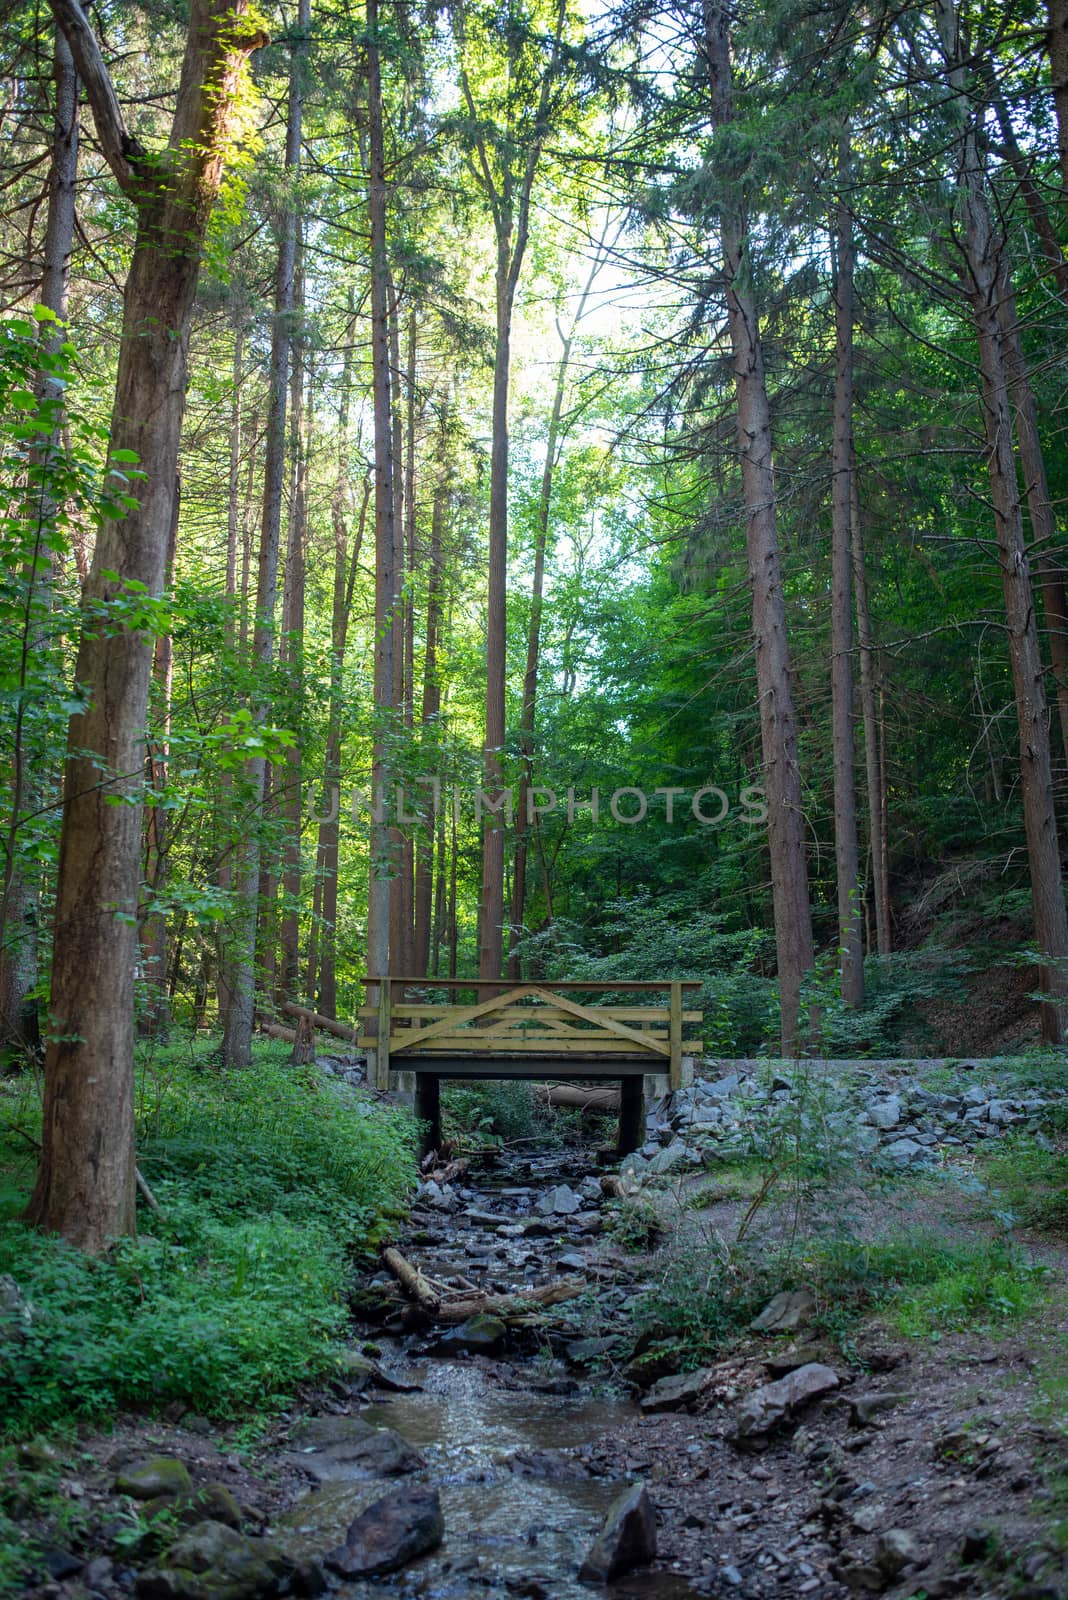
[[264, 1180], [1031, 1180]]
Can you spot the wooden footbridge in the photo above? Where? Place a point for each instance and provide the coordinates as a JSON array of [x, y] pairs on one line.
[[535, 1031]]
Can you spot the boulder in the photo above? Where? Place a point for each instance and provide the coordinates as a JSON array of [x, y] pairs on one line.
[[213, 1502], [668, 1159], [481, 1335], [897, 1548], [864, 1408], [16, 1313], [159, 1477], [785, 1312], [763, 1410], [336, 1449], [677, 1392], [903, 1151], [213, 1562], [885, 1113], [627, 1538], [390, 1533], [560, 1201]]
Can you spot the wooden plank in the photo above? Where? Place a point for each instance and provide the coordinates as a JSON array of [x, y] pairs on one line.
[[504, 1044], [647, 1041], [675, 1069], [663, 985], [411, 1011], [463, 1015]]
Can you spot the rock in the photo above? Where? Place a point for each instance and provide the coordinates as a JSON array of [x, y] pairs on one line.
[[589, 1352], [60, 1563], [213, 1502], [764, 1409], [345, 1448], [160, 1477], [668, 1159], [885, 1113], [864, 1407], [572, 1262], [98, 1572], [627, 1538], [722, 1088], [863, 1577], [560, 1201], [677, 1392], [999, 1112], [479, 1335], [36, 1456], [16, 1312], [547, 1466], [212, 1562], [785, 1312], [897, 1548], [389, 1534], [903, 1151]]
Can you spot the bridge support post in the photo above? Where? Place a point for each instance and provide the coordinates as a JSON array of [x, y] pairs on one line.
[[631, 1115], [428, 1109]]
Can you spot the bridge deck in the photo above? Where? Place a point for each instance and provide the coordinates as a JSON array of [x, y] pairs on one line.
[[537, 1030]]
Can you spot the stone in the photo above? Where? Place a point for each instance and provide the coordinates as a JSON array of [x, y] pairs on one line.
[[1001, 1113], [59, 1563], [885, 1113], [36, 1456], [896, 1549], [668, 1159], [767, 1407], [546, 1466], [785, 1312], [627, 1538], [723, 1088], [903, 1151], [159, 1477], [560, 1201], [863, 1408], [479, 1335], [677, 1392], [98, 1573], [212, 1502], [337, 1449], [389, 1534], [213, 1562], [16, 1312]]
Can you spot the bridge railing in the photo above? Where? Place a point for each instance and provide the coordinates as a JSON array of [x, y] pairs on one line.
[[541, 1020]]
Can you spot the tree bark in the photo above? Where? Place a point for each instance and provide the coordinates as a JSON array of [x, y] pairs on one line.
[[86, 1182], [20, 904], [379, 889], [873, 761], [1057, 45], [431, 705], [1039, 505], [237, 970], [983, 276], [778, 723], [850, 927]]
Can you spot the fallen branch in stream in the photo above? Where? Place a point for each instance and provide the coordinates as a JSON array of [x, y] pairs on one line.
[[434, 1298], [577, 1097]]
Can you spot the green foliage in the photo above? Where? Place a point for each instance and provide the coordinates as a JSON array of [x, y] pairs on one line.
[[235, 1292], [1029, 1176], [494, 1111]]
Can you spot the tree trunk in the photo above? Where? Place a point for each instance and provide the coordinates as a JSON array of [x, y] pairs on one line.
[[873, 761], [400, 893], [292, 655], [237, 970], [778, 724], [85, 1186], [850, 930], [983, 280], [379, 890], [1057, 44], [431, 707], [20, 905], [1039, 506]]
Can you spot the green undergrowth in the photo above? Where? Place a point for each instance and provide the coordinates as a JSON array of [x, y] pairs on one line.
[[1028, 1177], [267, 1180], [922, 1286]]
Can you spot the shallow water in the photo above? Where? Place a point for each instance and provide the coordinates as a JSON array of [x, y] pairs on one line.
[[505, 1534]]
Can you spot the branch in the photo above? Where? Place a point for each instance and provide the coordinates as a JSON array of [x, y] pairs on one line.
[[120, 148]]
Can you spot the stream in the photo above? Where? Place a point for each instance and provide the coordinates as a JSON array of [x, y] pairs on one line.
[[504, 1435]]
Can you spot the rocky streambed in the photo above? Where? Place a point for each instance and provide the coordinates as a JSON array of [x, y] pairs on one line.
[[497, 1457]]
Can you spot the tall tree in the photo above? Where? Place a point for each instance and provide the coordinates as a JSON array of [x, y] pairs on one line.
[[778, 723], [86, 1179]]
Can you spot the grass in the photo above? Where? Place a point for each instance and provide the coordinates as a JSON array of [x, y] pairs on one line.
[[235, 1291], [922, 1285], [1029, 1178]]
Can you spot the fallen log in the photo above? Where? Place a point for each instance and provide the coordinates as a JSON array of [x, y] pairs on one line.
[[412, 1281], [275, 1030], [340, 1030], [511, 1307], [574, 1095]]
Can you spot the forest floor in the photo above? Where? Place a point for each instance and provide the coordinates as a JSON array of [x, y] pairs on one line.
[[930, 1461]]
